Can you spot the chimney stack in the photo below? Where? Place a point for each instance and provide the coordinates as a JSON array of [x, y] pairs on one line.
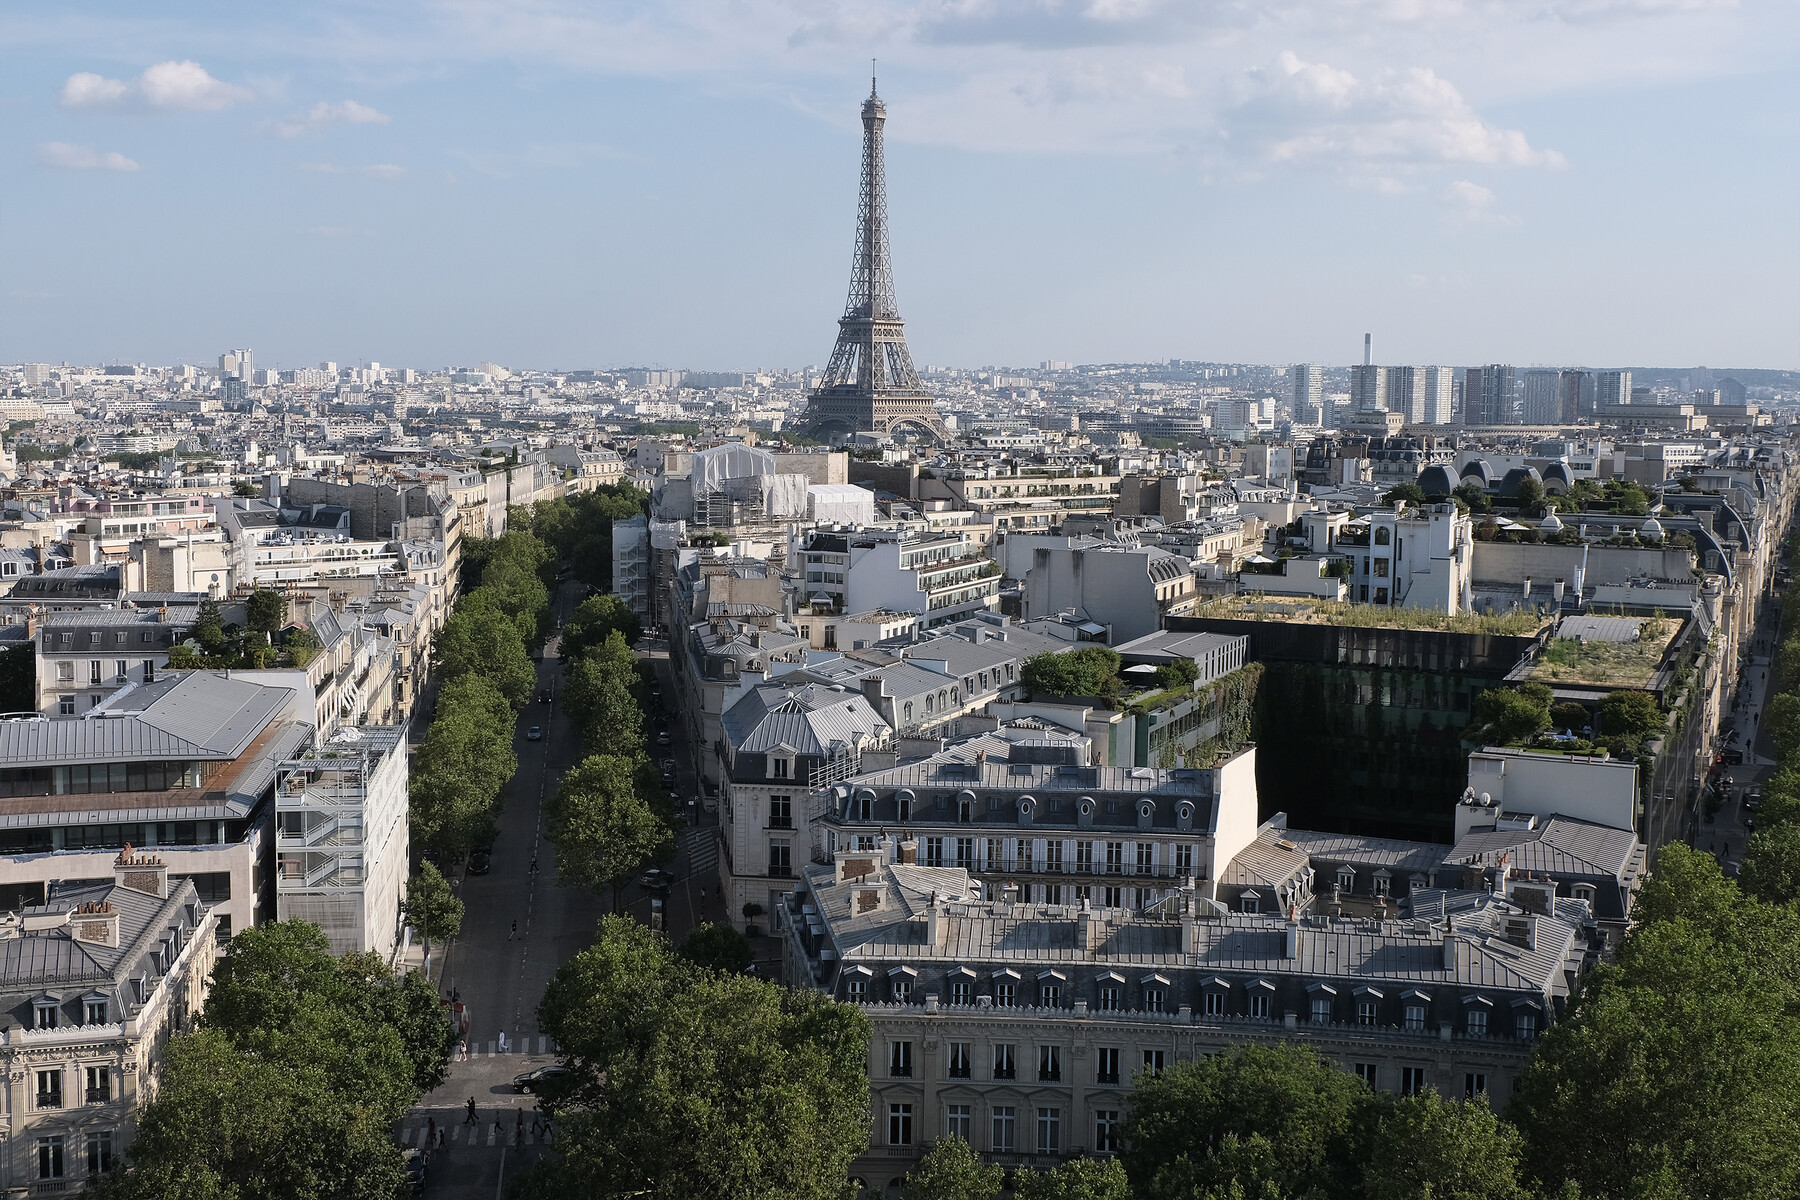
[[1449, 950], [141, 873], [1290, 947], [1089, 932], [96, 922], [909, 851], [934, 921]]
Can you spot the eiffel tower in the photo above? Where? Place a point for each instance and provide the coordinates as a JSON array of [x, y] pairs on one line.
[[870, 385]]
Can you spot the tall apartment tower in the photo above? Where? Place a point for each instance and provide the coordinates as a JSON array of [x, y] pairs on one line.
[[1368, 385], [1440, 395], [1406, 392], [1570, 387], [1309, 392], [1490, 396], [1612, 387], [1543, 397]]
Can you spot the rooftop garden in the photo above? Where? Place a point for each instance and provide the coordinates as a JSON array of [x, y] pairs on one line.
[[1290, 610], [1612, 664]]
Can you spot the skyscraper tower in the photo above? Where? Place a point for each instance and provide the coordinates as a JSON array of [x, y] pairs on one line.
[[870, 385]]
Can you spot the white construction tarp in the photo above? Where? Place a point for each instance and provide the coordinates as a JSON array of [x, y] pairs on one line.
[[732, 460], [841, 504]]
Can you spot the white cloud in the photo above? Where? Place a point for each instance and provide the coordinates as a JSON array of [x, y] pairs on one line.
[[323, 114], [371, 170], [82, 158], [166, 87], [1472, 204], [1296, 112]]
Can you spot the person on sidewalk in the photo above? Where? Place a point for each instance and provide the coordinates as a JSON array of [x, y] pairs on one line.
[[503, 1041], [513, 932], [471, 1118]]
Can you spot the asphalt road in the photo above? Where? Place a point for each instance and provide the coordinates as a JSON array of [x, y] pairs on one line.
[[519, 925]]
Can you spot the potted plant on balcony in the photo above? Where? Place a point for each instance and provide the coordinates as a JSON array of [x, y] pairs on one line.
[[752, 911]]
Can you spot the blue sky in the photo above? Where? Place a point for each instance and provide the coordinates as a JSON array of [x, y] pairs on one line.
[[544, 183]]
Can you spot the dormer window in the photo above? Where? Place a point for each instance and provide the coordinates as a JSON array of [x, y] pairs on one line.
[[1346, 879], [95, 1012], [780, 768], [44, 1013], [1250, 902]]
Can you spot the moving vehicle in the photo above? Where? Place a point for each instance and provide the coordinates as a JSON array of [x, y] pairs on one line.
[[480, 861], [535, 734], [662, 738], [657, 880], [544, 696], [536, 1081]]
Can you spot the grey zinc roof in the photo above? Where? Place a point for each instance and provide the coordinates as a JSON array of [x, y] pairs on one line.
[[203, 715], [1560, 846], [809, 719], [1375, 853]]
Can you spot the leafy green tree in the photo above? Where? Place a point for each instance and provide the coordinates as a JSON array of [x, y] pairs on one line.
[[1180, 672], [482, 640], [951, 1170], [465, 762], [717, 947], [1529, 497], [209, 626], [594, 621], [265, 611], [1783, 726], [1272, 1119], [691, 1083], [1447, 1150], [1077, 1179], [1676, 1072], [1626, 719], [1771, 867], [1510, 715], [1089, 671], [18, 678], [431, 907], [1412, 493], [246, 488], [1473, 495], [602, 700], [1570, 715], [606, 825]]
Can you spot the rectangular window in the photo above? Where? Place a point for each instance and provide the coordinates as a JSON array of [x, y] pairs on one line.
[[1365, 1072], [1365, 1011], [899, 1124], [99, 1153], [1146, 858], [1154, 998], [46, 1015], [991, 847], [1106, 1065], [856, 990], [1109, 997], [1412, 1080], [1415, 1016], [94, 671], [1049, 1130], [1215, 1003], [1115, 858], [1005, 992], [781, 812], [1184, 859], [780, 860], [1259, 1005], [780, 766], [965, 853], [934, 851], [99, 1085], [1006, 1129], [1321, 1010], [1112, 897], [65, 671], [1005, 1065], [962, 991], [96, 1012], [1106, 1131], [900, 1060], [121, 669], [1049, 1064], [956, 1121], [1053, 856], [1474, 1084], [1049, 994], [66, 706], [50, 1158], [902, 986], [49, 1089], [1477, 1022], [1084, 857], [1153, 1061], [960, 1060], [1526, 1024]]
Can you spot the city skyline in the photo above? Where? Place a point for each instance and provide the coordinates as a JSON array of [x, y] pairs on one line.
[[1103, 183]]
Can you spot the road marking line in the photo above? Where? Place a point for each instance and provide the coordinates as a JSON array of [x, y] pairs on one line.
[[493, 1131]]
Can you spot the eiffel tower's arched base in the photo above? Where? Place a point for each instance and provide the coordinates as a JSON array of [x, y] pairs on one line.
[[837, 419]]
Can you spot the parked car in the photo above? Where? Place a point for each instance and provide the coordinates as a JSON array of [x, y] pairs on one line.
[[1734, 758], [657, 880], [480, 862], [535, 734], [536, 1081], [415, 1169]]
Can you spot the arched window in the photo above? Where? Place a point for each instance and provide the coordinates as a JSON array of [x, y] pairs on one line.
[[930, 703], [1383, 536], [907, 710]]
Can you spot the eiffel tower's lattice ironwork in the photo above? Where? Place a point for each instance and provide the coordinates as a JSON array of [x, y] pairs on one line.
[[871, 384]]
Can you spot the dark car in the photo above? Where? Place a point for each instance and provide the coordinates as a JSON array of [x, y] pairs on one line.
[[544, 696], [657, 880], [479, 862], [662, 739], [1734, 758], [535, 734], [544, 1077], [415, 1169]]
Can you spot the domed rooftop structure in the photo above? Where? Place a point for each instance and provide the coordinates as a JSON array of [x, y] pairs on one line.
[[1557, 479], [1436, 480], [1509, 486], [1478, 470], [1651, 529], [1551, 523]]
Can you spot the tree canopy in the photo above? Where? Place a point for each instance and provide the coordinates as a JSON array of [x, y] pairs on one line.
[[609, 820], [689, 1082], [465, 761], [594, 621], [1089, 671]]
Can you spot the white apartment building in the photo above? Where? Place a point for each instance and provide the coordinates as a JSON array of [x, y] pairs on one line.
[[1408, 559], [939, 577]]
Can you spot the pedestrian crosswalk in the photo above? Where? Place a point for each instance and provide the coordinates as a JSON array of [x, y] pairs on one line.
[[482, 1133], [528, 1044], [701, 846]]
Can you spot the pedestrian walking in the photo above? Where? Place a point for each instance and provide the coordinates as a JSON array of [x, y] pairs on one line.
[[471, 1119], [513, 932], [503, 1041], [440, 1137]]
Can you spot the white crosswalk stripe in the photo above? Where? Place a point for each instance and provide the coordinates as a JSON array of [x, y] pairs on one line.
[[702, 848]]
